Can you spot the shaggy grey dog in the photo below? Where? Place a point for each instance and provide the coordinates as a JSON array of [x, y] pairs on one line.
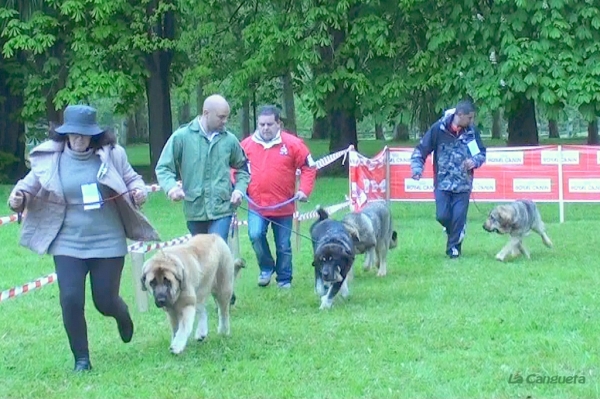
[[333, 258], [516, 219], [373, 233]]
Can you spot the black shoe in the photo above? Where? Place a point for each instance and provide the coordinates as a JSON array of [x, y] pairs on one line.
[[125, 328], [82, 364], [453, 253]]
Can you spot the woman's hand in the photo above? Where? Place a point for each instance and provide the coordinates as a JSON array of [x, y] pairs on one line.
[[16, 199], [139, 196]]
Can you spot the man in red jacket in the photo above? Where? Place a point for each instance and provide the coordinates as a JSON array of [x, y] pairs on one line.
[[273, 158]]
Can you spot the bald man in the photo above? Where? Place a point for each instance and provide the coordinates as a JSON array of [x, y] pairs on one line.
[[203, 153]]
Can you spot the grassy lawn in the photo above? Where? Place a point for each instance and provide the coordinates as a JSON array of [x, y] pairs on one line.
[[432, 328]]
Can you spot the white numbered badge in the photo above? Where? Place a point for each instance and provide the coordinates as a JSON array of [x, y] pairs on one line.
[[91, 196], [473, 147]]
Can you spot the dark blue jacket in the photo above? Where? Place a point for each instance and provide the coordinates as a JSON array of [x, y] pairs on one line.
[[449, 154]]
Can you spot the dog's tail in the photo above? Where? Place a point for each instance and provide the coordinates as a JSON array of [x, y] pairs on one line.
[[322, 213], [238, 265], [394, 240]]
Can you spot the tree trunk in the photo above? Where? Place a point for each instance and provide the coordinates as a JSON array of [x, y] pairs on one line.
[[56, 115], [522, 124], [496, 125], [553, 129], [401, 132], [592, 138], [426, 114], [158, 63], [340, 105], [12, 126], [245, 116], [289, 106], [185, 114], [343, 132], [379, 132], [320, 129], [199, 98]]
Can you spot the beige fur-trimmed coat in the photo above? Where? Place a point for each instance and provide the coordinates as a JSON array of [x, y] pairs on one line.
[[45, 205]]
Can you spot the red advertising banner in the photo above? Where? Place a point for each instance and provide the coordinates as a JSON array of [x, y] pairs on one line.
[[509, 173], [581, 173]]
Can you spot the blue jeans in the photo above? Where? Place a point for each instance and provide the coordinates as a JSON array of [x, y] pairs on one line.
[[282, 234], [220, 226]]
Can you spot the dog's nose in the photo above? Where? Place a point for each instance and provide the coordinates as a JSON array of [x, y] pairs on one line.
[[326, 274], [160, 302]]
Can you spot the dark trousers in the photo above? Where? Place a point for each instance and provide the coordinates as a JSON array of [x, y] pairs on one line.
[[219, 226], [105, 279], [451, 212]]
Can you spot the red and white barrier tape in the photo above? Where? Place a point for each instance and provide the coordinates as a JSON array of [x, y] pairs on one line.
[[141, 247], [16, 291], [8, 219]]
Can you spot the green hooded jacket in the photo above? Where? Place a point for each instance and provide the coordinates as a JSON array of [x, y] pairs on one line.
[[205, 170]]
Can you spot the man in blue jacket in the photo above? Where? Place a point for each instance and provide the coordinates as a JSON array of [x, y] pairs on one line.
[[457, 150]]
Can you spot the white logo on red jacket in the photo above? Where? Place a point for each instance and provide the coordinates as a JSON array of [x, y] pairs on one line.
[[283, 150]]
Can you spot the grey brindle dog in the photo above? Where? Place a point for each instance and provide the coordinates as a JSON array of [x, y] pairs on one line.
[[517, 219], [333, 258], [373, 233]]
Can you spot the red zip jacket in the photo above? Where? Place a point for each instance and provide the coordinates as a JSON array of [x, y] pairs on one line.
[[273, 172]]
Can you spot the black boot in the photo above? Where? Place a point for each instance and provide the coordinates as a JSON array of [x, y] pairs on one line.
[[82, 364], [125, 326]]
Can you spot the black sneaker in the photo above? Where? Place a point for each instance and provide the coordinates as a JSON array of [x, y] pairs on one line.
[[82, 364], [453, 253], [125, 327]]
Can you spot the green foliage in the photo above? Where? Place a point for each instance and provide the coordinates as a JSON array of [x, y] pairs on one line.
[[6, 161]]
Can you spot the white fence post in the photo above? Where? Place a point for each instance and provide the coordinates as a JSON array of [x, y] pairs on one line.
[[137, 263], [561, 200]]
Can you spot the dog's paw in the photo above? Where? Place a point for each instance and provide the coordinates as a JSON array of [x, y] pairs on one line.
[[223, 329], [500, 258], [344, 291], [320, 288], [381, 273], [177, 346], [326, 303]]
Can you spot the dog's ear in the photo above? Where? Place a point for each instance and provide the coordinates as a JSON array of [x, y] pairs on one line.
[[145, 269], [315, 261], [143, 282], [506, 216], [352, 231], [349, 255], [179, 271]]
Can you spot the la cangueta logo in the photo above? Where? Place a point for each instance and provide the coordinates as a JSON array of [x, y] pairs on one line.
[[536, 378]]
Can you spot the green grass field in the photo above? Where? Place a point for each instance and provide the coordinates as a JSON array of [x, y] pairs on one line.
[[433, 327]]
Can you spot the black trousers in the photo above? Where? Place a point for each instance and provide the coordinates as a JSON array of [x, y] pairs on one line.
[[105, 280], [451, 212]]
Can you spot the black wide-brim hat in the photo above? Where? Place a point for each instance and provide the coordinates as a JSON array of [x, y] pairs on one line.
[[79, 119]]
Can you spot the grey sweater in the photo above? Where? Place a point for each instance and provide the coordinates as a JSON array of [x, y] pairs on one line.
[[95, 233]]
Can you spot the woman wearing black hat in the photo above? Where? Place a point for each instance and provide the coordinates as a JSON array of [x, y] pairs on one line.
[[82, 198]]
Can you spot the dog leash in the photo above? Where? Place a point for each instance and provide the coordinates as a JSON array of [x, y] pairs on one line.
[[269, 207], [277, 224], [100, 202]]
